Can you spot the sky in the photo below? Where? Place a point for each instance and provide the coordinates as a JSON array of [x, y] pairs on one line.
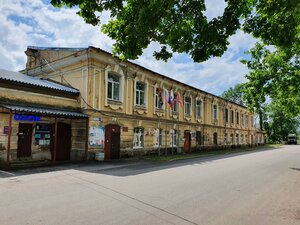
[[36, 23]]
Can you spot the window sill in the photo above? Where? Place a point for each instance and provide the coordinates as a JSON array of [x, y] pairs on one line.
[[114, 102], [142, 107], [159, 110]]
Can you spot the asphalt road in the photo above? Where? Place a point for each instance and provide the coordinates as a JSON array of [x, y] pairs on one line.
[[255, 188]]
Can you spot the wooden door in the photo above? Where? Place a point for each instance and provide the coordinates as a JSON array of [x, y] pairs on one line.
[[24, 140], [112, 142], [63, 145], [187, 142]]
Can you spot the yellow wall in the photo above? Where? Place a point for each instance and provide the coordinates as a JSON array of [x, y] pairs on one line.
[[87, 72]]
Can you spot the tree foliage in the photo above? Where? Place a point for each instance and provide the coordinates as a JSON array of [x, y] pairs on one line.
[[279, 124], [274, 75], [235, 94], [181, 25]]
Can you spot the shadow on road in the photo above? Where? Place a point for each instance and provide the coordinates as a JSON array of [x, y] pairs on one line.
[[127, 167]]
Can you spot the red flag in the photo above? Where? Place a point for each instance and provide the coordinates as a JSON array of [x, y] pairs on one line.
[[179, 99]]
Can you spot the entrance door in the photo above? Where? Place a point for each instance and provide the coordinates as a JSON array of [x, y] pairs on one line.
[[187, 142], [112, 142], [24, 140], [63, 145]]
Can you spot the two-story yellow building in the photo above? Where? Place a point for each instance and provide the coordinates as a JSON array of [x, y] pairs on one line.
[[133, 110]]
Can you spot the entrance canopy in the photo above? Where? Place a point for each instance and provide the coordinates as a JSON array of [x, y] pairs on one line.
[[45, 111]]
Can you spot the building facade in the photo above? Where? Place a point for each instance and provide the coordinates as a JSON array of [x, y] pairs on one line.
[[133, 110], [40, 120]]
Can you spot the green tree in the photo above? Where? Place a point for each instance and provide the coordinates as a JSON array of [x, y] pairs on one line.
[[235, 94], [280, 124], [181, 25], [274, 75]]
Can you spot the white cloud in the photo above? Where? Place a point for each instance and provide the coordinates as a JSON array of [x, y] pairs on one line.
[[214, 8], [41, 25]]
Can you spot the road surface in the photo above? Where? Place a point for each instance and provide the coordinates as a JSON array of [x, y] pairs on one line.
[[260, 187]]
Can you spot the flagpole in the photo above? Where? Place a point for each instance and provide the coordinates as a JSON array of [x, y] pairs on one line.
[[158, 134]]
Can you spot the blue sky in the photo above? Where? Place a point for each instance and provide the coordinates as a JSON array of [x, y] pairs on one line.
[[37, 23]]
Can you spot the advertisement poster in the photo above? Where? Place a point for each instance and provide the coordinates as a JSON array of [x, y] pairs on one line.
[[96, 136]]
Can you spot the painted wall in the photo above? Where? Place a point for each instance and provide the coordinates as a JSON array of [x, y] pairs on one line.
[[88, 71]]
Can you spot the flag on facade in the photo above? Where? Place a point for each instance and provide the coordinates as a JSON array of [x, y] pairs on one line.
[[161, 101], [179, 99], [166, 95], [171, 98]]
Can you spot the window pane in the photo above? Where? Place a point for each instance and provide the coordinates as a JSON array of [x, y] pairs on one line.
[[115, 78], [116, 91], [109, 90], [142, 98]]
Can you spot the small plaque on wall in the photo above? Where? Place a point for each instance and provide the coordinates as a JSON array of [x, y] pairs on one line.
[[6, 130], [125, 129]]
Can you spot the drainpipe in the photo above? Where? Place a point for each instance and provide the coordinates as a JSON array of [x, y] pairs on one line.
[[9, 138], [86, 138], [55, 140]]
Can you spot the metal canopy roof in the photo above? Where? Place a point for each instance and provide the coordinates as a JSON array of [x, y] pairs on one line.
[[34, 81], [46, 111]]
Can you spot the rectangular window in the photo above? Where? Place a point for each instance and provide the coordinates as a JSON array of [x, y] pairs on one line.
[[175, 138], [113, 87], [237, 118], [140, 94], [237, 139], [231, 116], [232, 139], [158, 137], [187, 106], [138, 137], [158, 99], [242, 118], [226, 138], [215, 138], [198, 108], [247, 124], [215, 112], [226, 115], [198, 137], [175, 105]]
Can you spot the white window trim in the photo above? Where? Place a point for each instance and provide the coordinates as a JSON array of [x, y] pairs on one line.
[[156, 137], [141, 145], [172, 139], [201, 108], [191, 106], [212, 112], [107, 70], [145, 94]]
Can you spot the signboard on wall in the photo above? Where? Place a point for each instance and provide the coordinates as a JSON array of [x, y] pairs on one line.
[[96, 137], [6, 130], [25, 117]]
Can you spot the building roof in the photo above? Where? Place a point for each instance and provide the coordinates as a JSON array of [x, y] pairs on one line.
[[45, 111], [55, 48], [20, 78]]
